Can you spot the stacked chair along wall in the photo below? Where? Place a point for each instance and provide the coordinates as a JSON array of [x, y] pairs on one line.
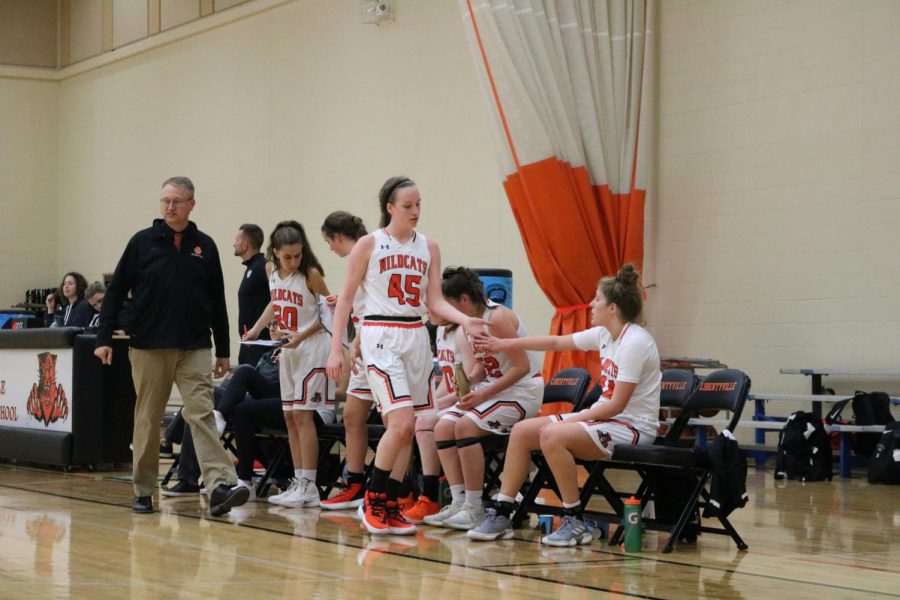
[[569, 385], [689, 468]]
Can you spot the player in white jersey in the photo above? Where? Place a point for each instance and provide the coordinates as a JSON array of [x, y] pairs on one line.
[[341, 230], [508, 388], [400, 271], [627, 412], [295, 283]]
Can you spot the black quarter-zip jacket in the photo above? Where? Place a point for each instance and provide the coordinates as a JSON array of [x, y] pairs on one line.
[[178, 295]]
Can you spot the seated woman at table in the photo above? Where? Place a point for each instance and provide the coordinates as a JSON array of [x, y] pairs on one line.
[[626, 413], [86, 313], [61, 304]]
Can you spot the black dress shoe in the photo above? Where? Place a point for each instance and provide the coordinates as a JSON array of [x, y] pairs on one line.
[[142, 504], [225, 497], [182, 488]]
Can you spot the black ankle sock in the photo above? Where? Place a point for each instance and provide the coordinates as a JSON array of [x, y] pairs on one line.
[[430, 487], [392, 488], [378, 480], [359, 478], [405, 488], [575, 511], [504, 509]]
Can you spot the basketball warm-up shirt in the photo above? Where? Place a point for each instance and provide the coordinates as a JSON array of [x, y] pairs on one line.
[[633, 358]]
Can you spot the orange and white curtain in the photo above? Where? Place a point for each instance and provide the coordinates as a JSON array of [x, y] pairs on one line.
[[570, 83]]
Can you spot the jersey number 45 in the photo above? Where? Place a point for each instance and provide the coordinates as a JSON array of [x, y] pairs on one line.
[[405, 288]]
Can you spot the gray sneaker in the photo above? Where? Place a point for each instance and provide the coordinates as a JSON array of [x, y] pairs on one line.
[[492, 527], [437, 520], [572, 532], [465, 518]]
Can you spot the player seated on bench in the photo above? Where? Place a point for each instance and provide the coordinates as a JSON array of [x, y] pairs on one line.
[[258, 382], [508, 388], [626, 413], [443, 391]]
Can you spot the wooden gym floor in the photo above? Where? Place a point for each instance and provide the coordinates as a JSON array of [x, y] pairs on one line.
[[74, 536]]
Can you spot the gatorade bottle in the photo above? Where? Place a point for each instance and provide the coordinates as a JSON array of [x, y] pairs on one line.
[[444, 496], [634, 528]]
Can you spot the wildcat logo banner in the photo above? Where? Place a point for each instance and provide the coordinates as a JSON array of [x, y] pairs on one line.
[[38, 389], [47, 401]]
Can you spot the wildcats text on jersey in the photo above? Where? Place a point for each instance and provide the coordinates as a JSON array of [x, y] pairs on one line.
[[609, 367], [402, 261], [283, 295]]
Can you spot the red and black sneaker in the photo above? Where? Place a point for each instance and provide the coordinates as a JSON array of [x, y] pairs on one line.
[[397, 523], [375, 518], [350, 496]]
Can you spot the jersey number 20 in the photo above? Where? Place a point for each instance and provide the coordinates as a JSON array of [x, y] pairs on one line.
[[405, 288], [286, 317]]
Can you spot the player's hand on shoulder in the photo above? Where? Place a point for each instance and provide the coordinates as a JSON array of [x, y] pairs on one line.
[[473, 325], [487, 343]]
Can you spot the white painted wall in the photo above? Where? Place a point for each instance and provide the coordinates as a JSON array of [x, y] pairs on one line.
[[292, 113], [28, 193], [779, 186]]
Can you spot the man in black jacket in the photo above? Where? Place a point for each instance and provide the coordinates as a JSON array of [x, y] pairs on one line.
[[253, 293], [175, 277]]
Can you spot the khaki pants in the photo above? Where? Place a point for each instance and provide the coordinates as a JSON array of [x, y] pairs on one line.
[[154, 372]]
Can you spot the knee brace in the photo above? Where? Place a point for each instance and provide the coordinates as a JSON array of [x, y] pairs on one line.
[[444, 444], [462, 443]]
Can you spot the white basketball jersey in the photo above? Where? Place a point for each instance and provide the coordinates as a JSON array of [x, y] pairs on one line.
[[447, 356], [495, 365], [359, 304], [397, 276], [296, 307]]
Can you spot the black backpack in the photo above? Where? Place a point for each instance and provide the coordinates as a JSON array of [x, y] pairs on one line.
[[804, 451], [884, 466], [869, 408]]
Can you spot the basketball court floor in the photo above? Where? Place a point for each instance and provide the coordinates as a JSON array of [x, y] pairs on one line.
[[74, 536]]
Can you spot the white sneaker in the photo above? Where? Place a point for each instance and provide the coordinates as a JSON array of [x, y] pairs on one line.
[[253, 497], [292, 487], [220, 422], [437, 519], [468, 517], [306, 496]]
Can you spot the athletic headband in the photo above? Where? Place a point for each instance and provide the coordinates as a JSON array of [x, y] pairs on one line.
[[394, 187]]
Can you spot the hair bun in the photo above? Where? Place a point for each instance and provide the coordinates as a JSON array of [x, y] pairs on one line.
[[628, 275]]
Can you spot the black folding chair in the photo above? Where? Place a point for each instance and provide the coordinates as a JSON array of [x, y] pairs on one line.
[[564, 387], [332, 434], [568, 385], [726, 389], [328, 466], [676, 388]]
